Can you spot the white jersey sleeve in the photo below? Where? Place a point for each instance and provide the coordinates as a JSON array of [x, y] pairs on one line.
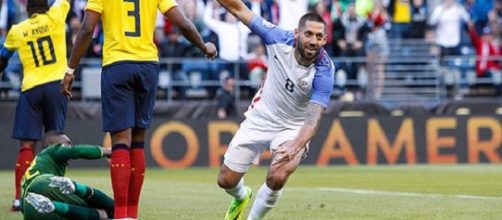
[[324, 80], [270, 33]]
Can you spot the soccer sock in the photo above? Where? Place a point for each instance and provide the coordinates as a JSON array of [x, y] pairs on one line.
[[61, 207], [94, 198], [75, 212], [238, 192], [24, 159], [266, 199], [82, 190], [120, 170], [137, 177]]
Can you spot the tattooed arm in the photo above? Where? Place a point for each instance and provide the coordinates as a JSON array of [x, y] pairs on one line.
[[309, 128], [289, 150]]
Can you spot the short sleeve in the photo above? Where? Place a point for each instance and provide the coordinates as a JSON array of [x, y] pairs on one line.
[[59, 10], [270, 33], [165, 5], [11, 42], [324, 80], [95, 6]]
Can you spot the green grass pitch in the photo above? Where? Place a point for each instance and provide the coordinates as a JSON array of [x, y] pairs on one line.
[[456, 192]]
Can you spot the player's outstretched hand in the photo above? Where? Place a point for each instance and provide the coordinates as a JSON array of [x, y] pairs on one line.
[[66, 84], [64, 184], [40, 203], [210, 50], [285, 153], [107, 152]]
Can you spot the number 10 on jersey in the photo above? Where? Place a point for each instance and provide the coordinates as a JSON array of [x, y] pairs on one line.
[[40, 45]]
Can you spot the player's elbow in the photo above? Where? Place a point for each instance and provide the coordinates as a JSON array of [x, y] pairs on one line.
[[185, 27], [86, 31]]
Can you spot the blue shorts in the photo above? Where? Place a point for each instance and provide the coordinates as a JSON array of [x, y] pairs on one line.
[[40, 107], [128, 91]]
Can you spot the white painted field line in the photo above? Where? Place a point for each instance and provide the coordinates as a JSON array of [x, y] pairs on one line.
[[389, 193]]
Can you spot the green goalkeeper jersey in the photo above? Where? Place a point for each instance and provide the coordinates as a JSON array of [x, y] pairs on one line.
[[53, 160]]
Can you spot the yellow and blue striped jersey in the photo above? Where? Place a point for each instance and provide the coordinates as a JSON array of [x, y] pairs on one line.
[[129, 27], [41, 44]]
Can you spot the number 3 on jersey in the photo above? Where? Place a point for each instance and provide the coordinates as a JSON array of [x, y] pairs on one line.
[[40, 44], [290, 86], [137, 23]]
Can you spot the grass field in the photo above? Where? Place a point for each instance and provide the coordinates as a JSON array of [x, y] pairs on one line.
[[384, 192]]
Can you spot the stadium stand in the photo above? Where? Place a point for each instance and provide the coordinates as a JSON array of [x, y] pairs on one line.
[[405, 69]]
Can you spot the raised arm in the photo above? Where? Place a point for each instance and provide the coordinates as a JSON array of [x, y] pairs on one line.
[[436, 13], [189, 31], [209, 20], [473, 34], [84, 37], [238, 9]]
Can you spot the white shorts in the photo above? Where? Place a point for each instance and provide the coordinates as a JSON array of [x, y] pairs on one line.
[[251, 140]]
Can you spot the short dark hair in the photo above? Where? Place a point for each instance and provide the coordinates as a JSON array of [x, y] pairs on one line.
[[310, 17], [54, 137], [37, 6]]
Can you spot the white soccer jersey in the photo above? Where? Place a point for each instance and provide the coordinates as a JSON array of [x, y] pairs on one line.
[[282, 100]]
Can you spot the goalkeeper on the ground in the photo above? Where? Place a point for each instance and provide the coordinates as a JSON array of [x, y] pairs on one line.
[[48, 195]]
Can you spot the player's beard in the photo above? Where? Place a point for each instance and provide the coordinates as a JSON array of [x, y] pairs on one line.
[[308, 55]]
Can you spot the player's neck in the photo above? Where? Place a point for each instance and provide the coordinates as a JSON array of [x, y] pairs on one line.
[[37, 10], [33, 13], [301, 60]]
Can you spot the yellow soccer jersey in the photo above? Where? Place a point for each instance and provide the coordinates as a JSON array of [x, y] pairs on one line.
[[129, 26], [41, 44], [402, 11]]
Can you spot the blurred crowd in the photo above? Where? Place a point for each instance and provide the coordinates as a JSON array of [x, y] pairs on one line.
[[356, 28]]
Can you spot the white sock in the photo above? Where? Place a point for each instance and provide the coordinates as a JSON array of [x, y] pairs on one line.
[[238, 192], [266, 199]]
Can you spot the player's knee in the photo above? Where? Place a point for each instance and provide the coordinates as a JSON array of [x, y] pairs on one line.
[[28, 144], [228, 178], [276, 180], [123, 136], [225, 182]]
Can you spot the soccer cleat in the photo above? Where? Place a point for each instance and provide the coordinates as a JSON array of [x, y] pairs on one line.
[[40, 203], [237, 207], [16, 206], [65, 185]]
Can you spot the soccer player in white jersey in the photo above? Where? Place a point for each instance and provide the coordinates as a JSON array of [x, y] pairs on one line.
[[285, 113]]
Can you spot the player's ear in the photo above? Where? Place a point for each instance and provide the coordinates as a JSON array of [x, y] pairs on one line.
[[297, 33], [324, 39]]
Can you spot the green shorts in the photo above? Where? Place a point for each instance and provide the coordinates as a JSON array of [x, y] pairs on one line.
[[40, 185]]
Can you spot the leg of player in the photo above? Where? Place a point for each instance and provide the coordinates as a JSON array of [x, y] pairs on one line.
[[44, 205], [233, 184], [94, 197], [120, 171], [137, 171], [269, 193], [24, 158]]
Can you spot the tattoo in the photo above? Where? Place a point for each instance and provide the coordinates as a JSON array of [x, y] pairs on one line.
[[313, 115]]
